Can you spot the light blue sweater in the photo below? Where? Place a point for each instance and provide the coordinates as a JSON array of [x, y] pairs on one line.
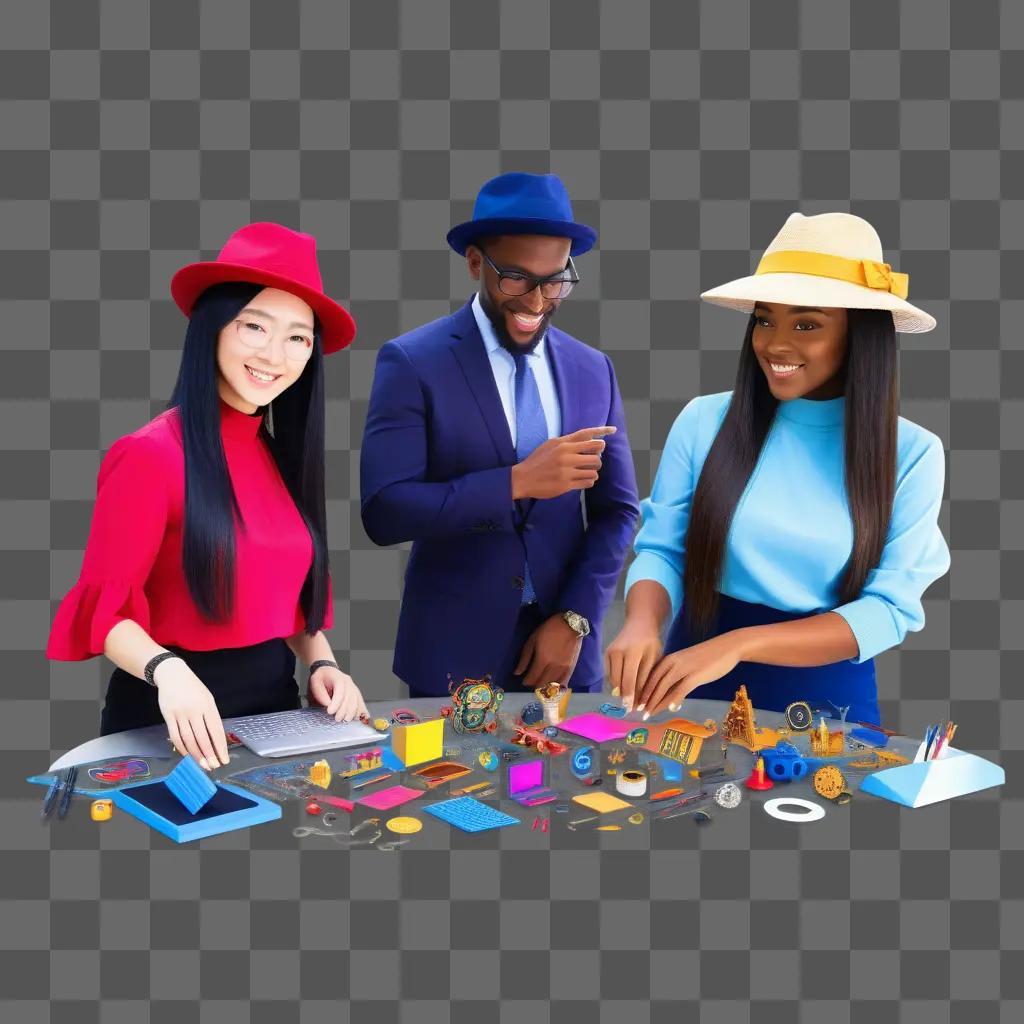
[[792, 533]]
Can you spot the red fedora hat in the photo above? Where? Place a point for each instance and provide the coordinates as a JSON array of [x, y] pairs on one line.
[[275, 256]]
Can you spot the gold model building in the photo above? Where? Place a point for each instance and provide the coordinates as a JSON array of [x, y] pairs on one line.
[[740, 727]]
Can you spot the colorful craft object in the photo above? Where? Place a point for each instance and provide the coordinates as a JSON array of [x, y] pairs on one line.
[[112, 774], [474, 706], [355, 764]]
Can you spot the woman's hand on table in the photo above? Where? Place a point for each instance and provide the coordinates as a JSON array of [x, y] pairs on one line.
[[191, 714], [677, 674], [337, 693], [630, 657]]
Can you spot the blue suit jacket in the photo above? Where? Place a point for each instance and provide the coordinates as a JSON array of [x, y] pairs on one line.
[[436, 469]]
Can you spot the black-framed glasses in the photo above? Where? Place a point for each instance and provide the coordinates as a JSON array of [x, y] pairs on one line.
[[516, 282]]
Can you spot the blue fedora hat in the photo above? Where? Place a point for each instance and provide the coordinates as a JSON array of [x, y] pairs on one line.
[[523, 204]]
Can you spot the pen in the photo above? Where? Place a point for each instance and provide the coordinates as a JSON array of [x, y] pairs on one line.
[[69, 792], [51, 798], [928, 737]]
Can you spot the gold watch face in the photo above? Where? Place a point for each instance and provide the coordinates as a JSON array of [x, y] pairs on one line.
[[829, 782]]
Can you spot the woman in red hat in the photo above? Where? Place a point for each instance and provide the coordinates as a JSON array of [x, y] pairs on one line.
[[206, 571]]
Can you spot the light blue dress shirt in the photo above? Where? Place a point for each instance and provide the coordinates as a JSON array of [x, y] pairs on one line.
[[503, 366], [792, 533]]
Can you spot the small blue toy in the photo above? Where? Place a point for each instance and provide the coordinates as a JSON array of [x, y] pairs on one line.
[[868, 737], [613, 710], [532, 713], [783, 762], [583, 762]]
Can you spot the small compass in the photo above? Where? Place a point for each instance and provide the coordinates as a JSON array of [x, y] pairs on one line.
[[799, 716]]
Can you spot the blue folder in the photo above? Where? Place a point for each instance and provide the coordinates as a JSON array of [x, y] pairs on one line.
[[228, 809]]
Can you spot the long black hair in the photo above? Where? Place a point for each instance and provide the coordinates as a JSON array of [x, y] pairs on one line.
[[295, 439], [871, 370]]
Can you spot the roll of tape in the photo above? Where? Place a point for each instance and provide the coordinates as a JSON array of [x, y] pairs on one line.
[[631, 782]]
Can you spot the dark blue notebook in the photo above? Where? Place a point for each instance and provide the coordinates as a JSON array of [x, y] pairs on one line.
[[228, 809]]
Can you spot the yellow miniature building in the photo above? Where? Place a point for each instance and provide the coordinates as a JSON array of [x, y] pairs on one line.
[[825, 743], [740, 727], [420, 742]]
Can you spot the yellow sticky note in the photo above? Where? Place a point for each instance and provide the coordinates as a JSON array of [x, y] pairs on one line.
[[601, 802]]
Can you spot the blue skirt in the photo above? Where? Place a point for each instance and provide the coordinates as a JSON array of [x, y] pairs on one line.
[[773, 687]]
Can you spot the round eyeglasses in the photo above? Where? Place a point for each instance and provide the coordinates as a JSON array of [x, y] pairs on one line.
[[255, 334], [518, 282]]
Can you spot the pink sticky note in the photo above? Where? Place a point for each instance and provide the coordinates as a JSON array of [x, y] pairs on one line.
[[597, 727], [390, 797]]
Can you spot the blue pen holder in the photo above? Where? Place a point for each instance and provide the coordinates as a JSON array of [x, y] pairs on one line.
[[954, 773]]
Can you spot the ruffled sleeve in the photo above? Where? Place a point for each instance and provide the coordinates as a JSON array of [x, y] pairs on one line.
[[127, 530]]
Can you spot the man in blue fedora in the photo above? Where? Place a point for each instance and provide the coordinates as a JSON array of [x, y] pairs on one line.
[[497, 444]]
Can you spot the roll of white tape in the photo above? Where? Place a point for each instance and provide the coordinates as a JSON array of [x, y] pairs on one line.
[[810, 811], [631, 782]]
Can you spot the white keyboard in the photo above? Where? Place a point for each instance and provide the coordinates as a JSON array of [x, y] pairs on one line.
[[302, 731]]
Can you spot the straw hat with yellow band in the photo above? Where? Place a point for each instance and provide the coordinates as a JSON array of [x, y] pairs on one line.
[[829, 259]]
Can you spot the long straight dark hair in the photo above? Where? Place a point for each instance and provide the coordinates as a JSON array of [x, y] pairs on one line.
[[871, 371], [296, 442]]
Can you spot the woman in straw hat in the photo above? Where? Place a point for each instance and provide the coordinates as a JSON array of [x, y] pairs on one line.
[[206, 569], [792, 526]]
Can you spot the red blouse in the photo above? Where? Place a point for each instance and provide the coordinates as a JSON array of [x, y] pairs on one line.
[[132, 568]]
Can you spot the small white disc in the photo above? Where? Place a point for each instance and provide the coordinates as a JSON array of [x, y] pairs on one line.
[[811, 811]]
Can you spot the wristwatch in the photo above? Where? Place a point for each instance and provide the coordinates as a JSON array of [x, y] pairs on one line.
[[577, 623]]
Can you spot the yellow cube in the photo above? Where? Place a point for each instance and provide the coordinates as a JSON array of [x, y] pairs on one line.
[[422, 741]]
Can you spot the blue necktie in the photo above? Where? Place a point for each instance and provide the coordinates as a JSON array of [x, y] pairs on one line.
[[531, 431]]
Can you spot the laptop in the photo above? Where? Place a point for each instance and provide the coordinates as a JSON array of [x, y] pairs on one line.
[[526, 783], [303, 731]]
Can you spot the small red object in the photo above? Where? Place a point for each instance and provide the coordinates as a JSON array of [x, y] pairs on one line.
[[758, 780], [312, 807]]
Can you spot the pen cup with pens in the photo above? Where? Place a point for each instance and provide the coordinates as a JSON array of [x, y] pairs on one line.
[[938, 772]]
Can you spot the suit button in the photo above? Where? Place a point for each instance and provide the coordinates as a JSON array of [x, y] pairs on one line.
[[518, 583]]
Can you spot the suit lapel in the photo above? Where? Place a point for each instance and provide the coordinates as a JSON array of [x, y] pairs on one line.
[[471, 354], [562, 370]]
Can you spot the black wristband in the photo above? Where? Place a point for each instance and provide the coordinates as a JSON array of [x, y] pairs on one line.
[[151, 665], [319, 664]]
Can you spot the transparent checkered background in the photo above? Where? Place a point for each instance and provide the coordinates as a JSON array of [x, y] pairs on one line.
[[137, 136]]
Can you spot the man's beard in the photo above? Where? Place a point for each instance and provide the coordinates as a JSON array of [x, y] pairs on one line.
[[507, 342]]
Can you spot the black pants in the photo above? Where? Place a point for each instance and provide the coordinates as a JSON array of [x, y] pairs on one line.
[[243, 680]]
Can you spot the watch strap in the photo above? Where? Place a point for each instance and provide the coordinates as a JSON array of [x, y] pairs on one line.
[[319, 664]]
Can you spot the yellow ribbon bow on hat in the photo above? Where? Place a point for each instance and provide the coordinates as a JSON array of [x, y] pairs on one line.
[[881, 275], [869, 273]]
